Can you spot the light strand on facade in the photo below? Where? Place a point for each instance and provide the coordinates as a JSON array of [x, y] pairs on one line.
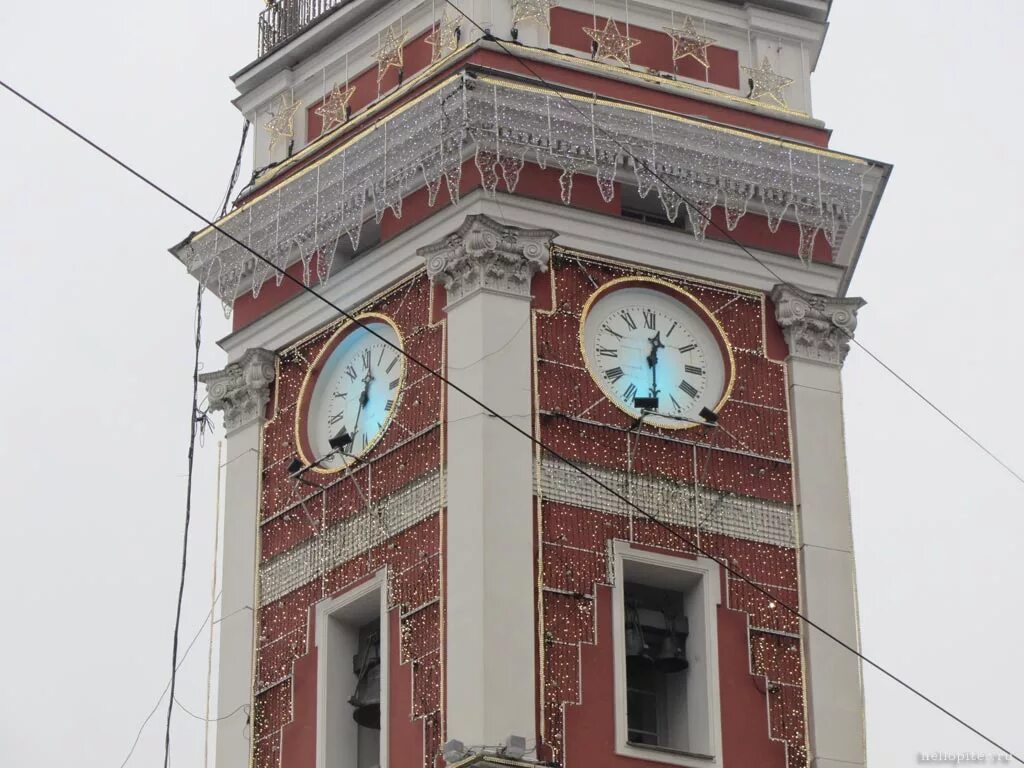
[[533, 439]]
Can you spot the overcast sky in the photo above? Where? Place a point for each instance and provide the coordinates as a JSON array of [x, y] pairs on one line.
[[97, 328]]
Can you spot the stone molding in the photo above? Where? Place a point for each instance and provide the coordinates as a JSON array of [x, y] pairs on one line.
[[816, 327], [242, 389], [483, 255]]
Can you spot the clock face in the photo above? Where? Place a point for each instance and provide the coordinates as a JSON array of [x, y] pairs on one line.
[[355, 384], [647, 339]]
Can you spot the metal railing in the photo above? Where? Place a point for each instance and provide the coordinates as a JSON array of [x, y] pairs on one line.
[[283, 19]]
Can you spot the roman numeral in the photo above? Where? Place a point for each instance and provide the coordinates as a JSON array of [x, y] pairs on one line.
[[629, 320], [671, 329], [391, 365], [649, 319], [366, 359], [688, 348], [341, 394], [614, 374], [393, 384], [335, 419], [351, 372], [695, 369], [606, 329], [675, 402], [382, 351], [389, 405], [605, 352], [366, 439], [630, 392], [688, 388]]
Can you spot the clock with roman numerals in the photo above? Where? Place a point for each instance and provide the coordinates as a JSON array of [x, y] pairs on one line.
[[354, 384], [645, 338]]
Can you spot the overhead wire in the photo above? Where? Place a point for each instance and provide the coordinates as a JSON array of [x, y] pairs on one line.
[[184, 655], [302, 287], [195, 423]]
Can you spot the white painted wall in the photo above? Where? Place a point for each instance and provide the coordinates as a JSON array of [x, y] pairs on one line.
[[835, 695], [490, 564], [241, 511]]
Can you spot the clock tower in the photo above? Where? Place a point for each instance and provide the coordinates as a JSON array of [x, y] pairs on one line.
[[553, 485]]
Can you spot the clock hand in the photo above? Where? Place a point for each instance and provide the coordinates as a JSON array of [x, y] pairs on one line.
[[652, 361], [364, 398]]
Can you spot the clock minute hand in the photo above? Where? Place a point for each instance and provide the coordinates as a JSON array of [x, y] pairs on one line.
[[652, 361], [364, 398]]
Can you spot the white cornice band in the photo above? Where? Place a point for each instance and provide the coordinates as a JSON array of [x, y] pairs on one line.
[[502, 125]]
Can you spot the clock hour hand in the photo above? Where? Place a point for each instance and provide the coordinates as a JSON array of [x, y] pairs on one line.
[[652, 361]]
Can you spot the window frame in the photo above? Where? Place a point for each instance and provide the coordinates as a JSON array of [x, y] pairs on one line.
[[338, 620], [702, 648]]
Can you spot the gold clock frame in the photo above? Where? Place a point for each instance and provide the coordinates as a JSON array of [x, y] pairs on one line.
[[312, 375], [702, 312]]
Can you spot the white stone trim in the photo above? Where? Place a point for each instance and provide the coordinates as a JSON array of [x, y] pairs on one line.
[[350, 538], [670, 502], [707, 651], [632, 242]]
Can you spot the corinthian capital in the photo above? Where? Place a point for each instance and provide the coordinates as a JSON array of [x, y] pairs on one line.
[[241, 390], [484, 255], [816, 327]]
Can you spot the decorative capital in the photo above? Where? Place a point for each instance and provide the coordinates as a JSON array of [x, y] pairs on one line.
[[484, 255], [816, 327], [241, 390]]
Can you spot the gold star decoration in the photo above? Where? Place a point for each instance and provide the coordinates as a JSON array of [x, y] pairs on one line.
[[443, 38], [612, 44], [686, 42], [281, 124], [765, 81], [532, 10], [333, 111], [390, 53]]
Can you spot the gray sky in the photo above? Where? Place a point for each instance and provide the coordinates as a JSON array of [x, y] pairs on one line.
[[97, 321]]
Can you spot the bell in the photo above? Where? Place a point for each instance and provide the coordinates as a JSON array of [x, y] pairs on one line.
[[366, 699], [672, 655], [638, 653]]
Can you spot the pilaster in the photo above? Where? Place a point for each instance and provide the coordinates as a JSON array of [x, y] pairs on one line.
[[818, 330], [241, 392], [487, 269]]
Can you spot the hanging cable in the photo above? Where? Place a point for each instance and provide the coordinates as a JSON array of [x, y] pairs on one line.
[[138, 734], [302, 287], [237, 169], [195, 422]]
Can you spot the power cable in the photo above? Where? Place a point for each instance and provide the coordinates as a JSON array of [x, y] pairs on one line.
[[197, 420], [533, 439], [237, 169], [163, 693]]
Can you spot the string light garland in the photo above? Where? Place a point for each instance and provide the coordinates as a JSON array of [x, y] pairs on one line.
[[443, 38], [765, 82], [610, 43], [513, 426], [686, 43], [390, 53], [334, 110], [281, 125], [532, 10]]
